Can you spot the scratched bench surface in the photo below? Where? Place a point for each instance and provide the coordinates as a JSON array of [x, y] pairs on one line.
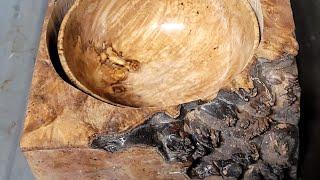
[[20, 24]]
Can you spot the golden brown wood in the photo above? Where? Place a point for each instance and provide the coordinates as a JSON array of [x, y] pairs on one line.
[[156, 53], [61, 120], [278, 30], [74, 164]]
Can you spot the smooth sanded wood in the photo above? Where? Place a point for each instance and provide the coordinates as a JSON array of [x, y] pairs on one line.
[[156, 53], [62, 122]]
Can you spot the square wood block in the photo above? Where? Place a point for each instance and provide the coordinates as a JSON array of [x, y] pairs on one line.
[[62, 121]]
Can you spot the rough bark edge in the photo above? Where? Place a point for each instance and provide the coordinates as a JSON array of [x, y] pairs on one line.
[[44, 61], [239, 134]]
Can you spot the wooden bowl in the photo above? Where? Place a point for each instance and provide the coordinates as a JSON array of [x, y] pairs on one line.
[[147, 53]]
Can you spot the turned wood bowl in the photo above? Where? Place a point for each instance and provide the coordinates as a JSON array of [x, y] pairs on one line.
[[147, 53]]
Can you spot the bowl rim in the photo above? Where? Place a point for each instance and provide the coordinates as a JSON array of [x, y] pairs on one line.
[[83, 88]]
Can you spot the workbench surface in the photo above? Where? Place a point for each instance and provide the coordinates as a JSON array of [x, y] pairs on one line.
[[20, 24]]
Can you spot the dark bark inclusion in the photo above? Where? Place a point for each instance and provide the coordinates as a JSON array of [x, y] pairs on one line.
[[238, 135]]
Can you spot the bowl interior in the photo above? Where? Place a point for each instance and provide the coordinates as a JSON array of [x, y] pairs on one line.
[[146, 53]]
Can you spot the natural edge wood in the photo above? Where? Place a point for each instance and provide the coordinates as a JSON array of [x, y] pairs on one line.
[[242, 133]]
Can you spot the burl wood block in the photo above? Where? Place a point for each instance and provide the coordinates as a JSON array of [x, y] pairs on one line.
[[166, 89]]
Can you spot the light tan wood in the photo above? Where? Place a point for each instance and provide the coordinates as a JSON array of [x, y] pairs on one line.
[[60, 119], [87, 164], [156, 53], [278, 37]]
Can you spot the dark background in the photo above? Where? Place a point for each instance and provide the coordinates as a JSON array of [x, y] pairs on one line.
[[307, 18]]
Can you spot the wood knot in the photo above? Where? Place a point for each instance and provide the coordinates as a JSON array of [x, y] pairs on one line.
[[109, 55], [118, 89]]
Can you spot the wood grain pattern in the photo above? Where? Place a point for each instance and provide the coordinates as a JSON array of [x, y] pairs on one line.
[[61, 116], [278, 38], [75, 164], [156, 53], [62, 120]]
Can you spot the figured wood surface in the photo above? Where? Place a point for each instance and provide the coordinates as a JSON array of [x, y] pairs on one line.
[[278, 36], [157, 53], [81, 163], [60, 117]]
